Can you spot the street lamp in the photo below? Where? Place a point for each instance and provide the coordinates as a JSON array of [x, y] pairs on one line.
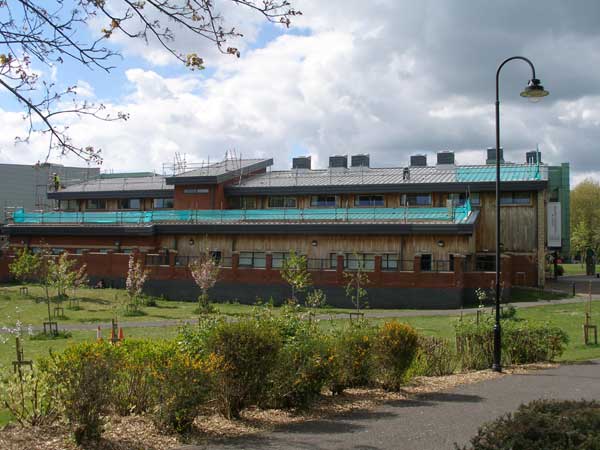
[[534, 92]]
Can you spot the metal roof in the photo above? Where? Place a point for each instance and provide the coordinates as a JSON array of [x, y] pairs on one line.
[[220, 171], [395, 175], [110, 187]]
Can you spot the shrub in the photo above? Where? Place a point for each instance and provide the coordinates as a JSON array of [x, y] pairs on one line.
[[244, 352], [543, 425], [560, 270], [523, 342], [395, 349], [28, 397], [181, 386], [82, 377], [351, 356], [435, 358], [302, 370], [134, 376]]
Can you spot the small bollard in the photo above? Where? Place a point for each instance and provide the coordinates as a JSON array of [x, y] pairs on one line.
[[573, 285]]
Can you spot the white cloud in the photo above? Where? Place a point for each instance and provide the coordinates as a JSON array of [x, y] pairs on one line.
[[387, 78]]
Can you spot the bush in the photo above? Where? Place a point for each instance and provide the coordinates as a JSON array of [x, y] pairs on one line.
[[543, 425], [82, 377], [302, 370], [28, 397], [133, 387], [523, 342], [435, 358], [245, 352], [560, 270], [181, 386], [395, 349], [351, 356]]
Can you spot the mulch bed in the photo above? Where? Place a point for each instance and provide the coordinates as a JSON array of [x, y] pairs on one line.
[[138, 432]]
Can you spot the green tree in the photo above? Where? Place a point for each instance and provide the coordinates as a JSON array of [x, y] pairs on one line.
[[25, 266], [295, 273], [356, 280], [585, 216]]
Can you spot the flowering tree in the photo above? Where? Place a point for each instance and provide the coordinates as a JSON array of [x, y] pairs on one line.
[[205, 272], [295, 273], [136, 277]]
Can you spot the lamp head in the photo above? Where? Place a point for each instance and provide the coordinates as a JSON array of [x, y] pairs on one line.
[[534, 91]]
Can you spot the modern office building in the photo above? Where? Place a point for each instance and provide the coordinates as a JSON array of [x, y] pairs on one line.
[[424, 232]]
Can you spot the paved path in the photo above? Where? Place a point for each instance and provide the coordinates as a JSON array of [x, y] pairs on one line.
[[428, 422], [333, 316]]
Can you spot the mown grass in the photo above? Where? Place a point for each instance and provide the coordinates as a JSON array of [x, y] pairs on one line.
[[577, 269]]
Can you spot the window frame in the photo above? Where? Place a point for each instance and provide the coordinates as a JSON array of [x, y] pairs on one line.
[[91, 200], [416, 196], [253, 258], [317, 204], [163, 200], [125, 204], [372, 202], [285, 199]]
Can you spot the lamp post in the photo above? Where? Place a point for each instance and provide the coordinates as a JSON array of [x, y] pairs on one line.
[[534, 91]]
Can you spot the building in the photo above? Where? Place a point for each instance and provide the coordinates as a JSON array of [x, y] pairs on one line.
[[425, 233], [27, 186]]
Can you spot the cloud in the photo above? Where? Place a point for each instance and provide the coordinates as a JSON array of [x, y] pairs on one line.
[[389, 78]]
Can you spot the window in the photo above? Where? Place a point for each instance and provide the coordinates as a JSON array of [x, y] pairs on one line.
[[475, 199], [515, 198], [216, 256], [553, 195], [278, 259], [130, 203], [418, 199], [252, 259], [195, 191], [369, 200], [163, 203], [353, 261], [426, 263], [485, 263], [323, 201], [451, 263], [95, 203], [57, 251], [389, 262], [69, 205], [282, 202], [242, 202], [333, 260], [458, 199]]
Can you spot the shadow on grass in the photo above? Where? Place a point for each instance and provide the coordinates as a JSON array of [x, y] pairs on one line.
[[97, 301]]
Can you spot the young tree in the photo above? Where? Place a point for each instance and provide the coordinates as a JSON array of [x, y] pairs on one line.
[[25, 266], [585, 217], [52, 32], [356, 280], [295, 273], [205, 272], [136, 277]]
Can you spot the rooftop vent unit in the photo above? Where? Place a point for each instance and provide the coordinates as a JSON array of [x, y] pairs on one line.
[[301, 162], [533, 157], [445, 157], [491, 156], [418, 160], [361, 160], [338, 162]]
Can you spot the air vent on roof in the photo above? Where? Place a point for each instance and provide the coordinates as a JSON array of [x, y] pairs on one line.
[[338, 161], [445, 157], [301, 162], [360, 160], [533, 157], [418, 160], [491, 156]]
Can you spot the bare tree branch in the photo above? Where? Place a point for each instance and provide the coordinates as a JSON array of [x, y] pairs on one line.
[[52, 31]]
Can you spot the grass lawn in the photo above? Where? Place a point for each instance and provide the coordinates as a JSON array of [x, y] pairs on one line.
[[577, 269]]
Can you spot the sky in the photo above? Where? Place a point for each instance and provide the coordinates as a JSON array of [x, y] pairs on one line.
[[389, 78]]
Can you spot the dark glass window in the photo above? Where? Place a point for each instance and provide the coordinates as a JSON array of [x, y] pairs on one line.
[[163, 203], [252, 259], [323, 201], [369, 200], [418, 199], [515, 198], [242, 202], [282, 202], [69, 205], [95, 203], [130, 203], [426, 263]]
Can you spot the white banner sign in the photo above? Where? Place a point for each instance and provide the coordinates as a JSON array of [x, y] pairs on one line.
[[554, 225]]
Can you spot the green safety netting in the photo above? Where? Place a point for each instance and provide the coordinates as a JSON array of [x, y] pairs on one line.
[[507, 173], [455, 215]]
